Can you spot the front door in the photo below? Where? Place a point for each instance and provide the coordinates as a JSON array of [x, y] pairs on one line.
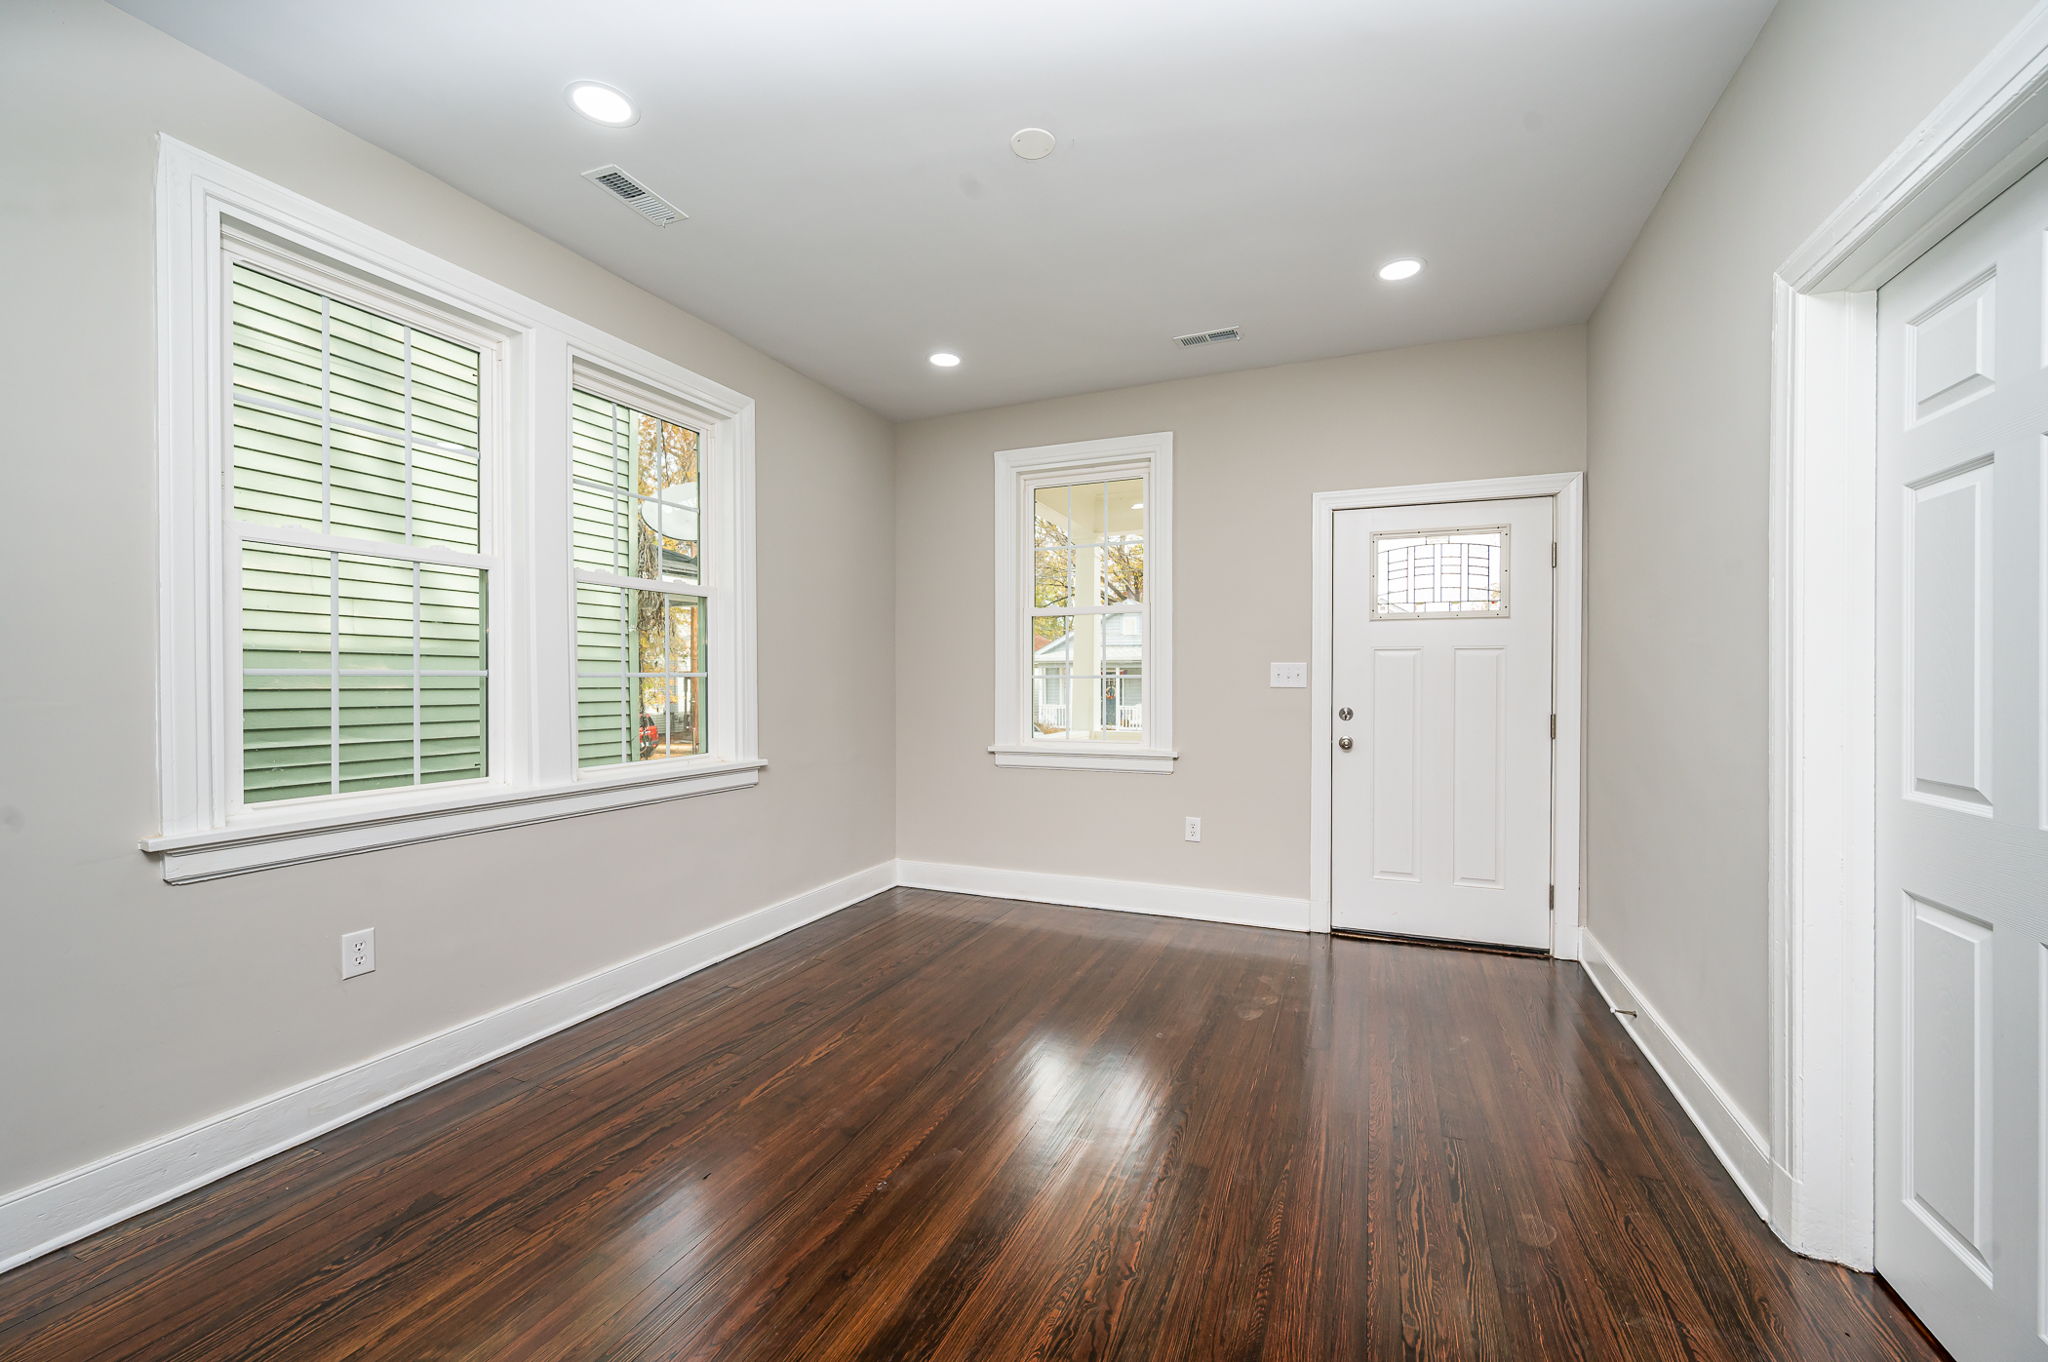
[[1962, 786], [1440, 775]]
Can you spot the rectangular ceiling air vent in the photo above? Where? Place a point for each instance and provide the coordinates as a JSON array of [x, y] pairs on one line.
[[1228, 333], [636, 195]]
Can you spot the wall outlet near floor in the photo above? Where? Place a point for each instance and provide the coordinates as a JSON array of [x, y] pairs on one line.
[[358, 952], [1194, 830], [1291, 675]]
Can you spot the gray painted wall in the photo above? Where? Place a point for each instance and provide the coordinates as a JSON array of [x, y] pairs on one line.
[[130, 1008], [1679, 501], [1249, 450]]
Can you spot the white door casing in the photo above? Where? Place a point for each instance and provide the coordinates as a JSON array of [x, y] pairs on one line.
[[1985, 136], [1962, 787], [1441, 812]]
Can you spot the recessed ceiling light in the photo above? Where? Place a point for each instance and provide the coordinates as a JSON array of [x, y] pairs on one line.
[[602, 104], [1396, 270], [1137, 505], [945, 359]]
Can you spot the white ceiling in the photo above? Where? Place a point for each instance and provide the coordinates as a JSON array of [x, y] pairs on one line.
[[854, 204]]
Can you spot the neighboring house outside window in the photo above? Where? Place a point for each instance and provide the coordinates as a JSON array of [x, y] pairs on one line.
[[1120, 696], [436, 558], [1084, 580]]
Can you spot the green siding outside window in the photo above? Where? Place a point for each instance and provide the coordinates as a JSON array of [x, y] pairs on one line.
[[351, 423], [360, 671]]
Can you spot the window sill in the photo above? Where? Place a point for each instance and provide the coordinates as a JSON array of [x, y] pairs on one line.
[[193, 857], [1092, 757]]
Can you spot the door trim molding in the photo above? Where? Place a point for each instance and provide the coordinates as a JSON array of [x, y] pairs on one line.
[[1977, 144], [1567, 679]]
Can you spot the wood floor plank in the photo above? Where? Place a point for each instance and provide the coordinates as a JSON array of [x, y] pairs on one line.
[[942, 1127]]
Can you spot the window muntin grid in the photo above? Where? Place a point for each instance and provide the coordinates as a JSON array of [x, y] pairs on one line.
[[637, 494], [641, 676], [350, 422], [361, 669], [642, 680], [1086, 625]]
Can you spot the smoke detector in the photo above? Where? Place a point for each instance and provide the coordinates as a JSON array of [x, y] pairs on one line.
[[636, 195], [1033, 144], [1228, 333]]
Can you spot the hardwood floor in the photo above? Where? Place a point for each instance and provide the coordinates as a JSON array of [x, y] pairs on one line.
[[935, 1126]]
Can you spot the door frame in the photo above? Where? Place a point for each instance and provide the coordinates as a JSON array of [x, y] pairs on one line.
[[1568, 642], [1977, 143]]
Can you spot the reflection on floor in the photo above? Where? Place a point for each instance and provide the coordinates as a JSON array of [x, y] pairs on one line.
[[936, 1126]]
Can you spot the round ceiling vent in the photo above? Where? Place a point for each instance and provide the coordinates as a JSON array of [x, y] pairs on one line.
[[1033, 144]]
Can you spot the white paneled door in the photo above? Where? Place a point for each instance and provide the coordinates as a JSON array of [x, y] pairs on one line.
[[1962, 786], [1440, 771]]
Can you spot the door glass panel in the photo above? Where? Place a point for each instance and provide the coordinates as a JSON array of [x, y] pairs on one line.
[[1441, 574]]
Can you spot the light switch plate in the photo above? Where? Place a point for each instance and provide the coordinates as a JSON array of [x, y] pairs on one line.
[[1293, 675]]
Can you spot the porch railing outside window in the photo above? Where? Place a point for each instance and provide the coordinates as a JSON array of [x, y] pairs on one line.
[[1122, 701]]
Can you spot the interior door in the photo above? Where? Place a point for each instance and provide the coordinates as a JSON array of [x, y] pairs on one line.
[[1962, 831], [1440, 775]]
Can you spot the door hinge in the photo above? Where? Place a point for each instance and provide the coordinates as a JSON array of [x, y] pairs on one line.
[[1553, 898], [1553, 728], [1553, 555]]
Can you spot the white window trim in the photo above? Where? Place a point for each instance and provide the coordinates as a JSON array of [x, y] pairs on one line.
[[533, 767], [1015, 468]]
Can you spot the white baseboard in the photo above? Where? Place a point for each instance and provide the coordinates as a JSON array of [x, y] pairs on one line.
[[1130, 896], [1734, 1138], [53, 1213]]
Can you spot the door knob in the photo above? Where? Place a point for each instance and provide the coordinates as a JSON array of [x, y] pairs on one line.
[[1344, 744], [1345, 714]]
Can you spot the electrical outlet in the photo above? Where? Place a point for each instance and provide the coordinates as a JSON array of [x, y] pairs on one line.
[[1194, 831], [1290, 675], [358, 952]]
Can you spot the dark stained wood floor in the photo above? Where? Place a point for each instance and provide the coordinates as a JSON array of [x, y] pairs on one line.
[[935, 1126]]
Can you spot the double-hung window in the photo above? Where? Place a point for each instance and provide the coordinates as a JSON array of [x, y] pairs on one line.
[[436, 558], [1084, 647], [641, 668]]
